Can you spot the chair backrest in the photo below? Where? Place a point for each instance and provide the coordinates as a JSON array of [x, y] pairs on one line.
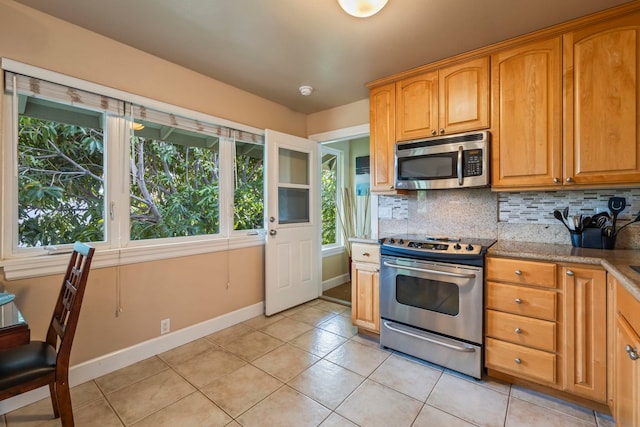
[[67, 310]]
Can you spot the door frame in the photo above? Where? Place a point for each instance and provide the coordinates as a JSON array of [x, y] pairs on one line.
[[351, 132]]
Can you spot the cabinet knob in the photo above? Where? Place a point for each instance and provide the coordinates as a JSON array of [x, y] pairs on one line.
[[569, 179], [517, 360], [518, 331], [433, 132], [569, 273], [441, 131], [365, 253], [556, 180], [518, 301], [391, 187], [633, 353], [518, 272]]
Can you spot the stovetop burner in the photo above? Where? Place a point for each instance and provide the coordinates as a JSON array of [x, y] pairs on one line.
[[437, 248]]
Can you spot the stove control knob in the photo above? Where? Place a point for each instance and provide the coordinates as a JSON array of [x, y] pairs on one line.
[[469, 247], [401, 242], [457, 246], [392, 240]]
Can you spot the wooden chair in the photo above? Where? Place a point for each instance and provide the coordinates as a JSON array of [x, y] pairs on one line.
[[41, 363]]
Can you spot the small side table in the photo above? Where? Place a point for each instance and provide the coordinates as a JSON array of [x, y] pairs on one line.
[[14, 330]]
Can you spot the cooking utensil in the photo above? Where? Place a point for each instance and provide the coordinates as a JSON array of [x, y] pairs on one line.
[[634, 220], [616, 205], [558, 215], [565, 214]]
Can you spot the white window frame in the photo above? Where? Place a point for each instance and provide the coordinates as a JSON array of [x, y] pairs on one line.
[[117, 249], [337, 247]]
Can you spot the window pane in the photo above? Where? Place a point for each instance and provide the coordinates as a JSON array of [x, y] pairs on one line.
[[248, 196], [329, 197], [293, 205], [174, 182], [60, 174], [293, 167]]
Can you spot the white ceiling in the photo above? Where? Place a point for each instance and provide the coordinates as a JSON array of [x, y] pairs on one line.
[[271, 47]]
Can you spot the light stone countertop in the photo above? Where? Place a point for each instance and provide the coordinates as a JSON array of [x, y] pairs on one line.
[[615, 261]]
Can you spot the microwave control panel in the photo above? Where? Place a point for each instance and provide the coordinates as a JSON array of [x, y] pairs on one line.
[[472, 163]]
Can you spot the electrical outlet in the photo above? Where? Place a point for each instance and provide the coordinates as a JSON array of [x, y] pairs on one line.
[[165, 326]]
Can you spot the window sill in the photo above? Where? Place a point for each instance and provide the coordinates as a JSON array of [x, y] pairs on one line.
[[46, 265], [332, 250]]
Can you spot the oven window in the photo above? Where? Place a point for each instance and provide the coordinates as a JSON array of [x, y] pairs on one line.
[[432, 295], [427, 167]]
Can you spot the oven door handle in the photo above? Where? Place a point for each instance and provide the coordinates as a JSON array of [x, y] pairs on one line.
[[424, 270], [400, 330]]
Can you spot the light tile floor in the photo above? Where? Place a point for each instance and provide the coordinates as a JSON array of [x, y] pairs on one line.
[[304, 367]]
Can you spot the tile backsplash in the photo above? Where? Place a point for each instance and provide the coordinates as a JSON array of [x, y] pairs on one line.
[[522, 216]]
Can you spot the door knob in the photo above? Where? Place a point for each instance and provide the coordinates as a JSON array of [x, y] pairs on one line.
[[273, 232]]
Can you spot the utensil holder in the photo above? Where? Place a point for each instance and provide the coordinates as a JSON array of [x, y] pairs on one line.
[[592, 237], [576, 239]]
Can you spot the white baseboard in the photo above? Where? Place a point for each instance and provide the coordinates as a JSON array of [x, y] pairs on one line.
[[103, 365], [335, 281]]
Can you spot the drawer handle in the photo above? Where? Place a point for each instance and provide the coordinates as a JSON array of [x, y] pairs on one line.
[[518, 331], [518, 272], [365, 253], [517, 360], [633, 353], [518, 301], [569, 273]]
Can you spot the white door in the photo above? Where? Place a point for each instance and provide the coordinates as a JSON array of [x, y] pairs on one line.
[[292, 254]]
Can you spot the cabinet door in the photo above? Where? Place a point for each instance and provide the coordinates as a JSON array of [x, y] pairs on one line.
[[417, 106], [585, 340], [601, 81], [464, 96], [526, 136], [365, 296], [627, 375], [382, 137]]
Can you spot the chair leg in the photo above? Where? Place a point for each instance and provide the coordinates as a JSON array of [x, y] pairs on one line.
[[64, 403], [54, 399]]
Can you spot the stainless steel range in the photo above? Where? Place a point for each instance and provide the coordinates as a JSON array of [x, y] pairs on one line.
[[431, 299]]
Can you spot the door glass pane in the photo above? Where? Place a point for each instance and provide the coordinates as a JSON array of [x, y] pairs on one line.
[[293, 205], [432, 295], [293, 167]]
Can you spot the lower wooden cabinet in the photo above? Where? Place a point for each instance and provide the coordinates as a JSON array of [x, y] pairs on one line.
[[625, 380], [365, 286], [547, 323], [585, 331]]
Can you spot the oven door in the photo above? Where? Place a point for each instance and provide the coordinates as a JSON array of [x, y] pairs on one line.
[[439, 297]]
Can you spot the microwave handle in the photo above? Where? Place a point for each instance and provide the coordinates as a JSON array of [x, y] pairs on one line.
[[460, 179]]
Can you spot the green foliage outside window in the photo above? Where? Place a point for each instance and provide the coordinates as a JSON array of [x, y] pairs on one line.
[[174, 188], [60, 179], [329, 206]]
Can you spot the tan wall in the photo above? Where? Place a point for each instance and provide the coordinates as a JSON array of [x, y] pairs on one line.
[[186, 290], [344, 116], [32, 37], [334, 266]]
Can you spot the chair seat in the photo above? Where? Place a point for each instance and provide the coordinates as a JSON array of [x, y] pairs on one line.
[[24, 363]]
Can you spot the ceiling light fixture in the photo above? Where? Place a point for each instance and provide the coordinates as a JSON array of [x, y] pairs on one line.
[[362, 8], [305, 90]]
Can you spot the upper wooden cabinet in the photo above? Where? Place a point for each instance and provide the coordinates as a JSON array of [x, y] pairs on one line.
[[449, 100], [601, 83], [526, 134], [382, 101]]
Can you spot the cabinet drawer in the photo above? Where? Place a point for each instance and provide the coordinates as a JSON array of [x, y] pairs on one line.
[[534, 364], [362, 252], [522, 272], [540, 334], [515, 299]]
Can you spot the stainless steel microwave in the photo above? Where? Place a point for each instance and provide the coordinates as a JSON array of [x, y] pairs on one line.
[[453, 161]]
